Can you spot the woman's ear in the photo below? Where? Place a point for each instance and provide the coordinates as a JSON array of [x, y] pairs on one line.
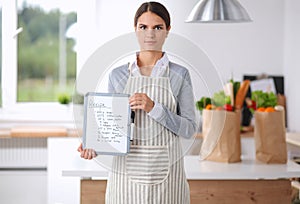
[[168, 29]]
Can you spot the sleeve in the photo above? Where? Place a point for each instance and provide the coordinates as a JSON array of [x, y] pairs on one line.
[[111, 88], [183, 122], [117, 79]]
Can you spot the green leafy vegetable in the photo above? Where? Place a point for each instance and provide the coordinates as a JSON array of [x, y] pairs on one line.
[[202, 103], [264, 99], [236, 86], [220, 99]]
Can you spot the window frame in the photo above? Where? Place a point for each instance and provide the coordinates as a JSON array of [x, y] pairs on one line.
[[13, 112], [9, 54]]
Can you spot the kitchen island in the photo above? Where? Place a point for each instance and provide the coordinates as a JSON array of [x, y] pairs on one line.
[[248, 181]]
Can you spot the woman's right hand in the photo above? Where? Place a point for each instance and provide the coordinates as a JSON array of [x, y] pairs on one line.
[[86, 153]]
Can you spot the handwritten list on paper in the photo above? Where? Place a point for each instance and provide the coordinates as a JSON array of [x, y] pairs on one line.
[[107, 121]]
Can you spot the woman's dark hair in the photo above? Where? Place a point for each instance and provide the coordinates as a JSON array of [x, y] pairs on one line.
[[153, 7]]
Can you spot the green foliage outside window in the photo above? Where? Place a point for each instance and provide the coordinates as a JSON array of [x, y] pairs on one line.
[[38, 55]]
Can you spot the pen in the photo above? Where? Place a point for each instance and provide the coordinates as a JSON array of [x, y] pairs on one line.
[[132, 116]]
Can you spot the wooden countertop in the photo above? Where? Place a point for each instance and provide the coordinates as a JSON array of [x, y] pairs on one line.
[[38, 132], [61, 131]]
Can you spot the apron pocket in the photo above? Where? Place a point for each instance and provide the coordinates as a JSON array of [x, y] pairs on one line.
[[147, 164]]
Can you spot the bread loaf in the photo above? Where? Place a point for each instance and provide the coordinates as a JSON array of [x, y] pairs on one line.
[[240, 96]]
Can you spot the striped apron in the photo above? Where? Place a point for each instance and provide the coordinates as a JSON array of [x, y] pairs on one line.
[[152, 172]]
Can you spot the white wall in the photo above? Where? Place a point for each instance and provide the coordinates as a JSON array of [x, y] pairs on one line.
[[235, 49], [239, 48], [292, 63]]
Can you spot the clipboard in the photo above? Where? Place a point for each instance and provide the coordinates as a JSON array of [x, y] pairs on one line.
[[106, 125]]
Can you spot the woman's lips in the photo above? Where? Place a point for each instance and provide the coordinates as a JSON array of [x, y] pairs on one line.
[[150, 42]]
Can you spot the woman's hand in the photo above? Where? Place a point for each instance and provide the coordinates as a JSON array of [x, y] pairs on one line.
[[86, 153], [141, 101]]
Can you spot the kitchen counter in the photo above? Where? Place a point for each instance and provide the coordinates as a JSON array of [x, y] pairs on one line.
[[209, 181], [247, 169], [197, 169]]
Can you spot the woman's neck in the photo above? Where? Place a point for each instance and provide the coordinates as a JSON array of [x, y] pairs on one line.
[[146, 61], [148, 58]]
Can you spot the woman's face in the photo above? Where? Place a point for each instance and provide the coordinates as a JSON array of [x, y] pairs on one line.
[[151, 32]]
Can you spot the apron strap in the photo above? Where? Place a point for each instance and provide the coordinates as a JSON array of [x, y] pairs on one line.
[[130, 68], [168, 70]]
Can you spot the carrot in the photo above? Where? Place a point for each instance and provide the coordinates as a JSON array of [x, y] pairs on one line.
[[261, 109], [270, 109], [208, 107]]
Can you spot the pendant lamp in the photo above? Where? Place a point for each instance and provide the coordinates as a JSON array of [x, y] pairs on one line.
[[218, 11]]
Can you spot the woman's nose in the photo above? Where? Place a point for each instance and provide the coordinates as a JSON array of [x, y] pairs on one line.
[[150, 33]]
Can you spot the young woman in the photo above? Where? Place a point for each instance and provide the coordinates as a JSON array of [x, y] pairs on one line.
[[162, 99]]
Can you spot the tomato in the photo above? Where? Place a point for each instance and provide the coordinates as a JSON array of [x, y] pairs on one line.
[[228, 107], [252, 105]]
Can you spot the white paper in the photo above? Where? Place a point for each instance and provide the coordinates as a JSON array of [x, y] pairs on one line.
[[265, 85], [107, 123]]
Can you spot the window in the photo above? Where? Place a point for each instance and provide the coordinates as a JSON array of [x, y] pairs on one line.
[[46, 63], [38, 59]]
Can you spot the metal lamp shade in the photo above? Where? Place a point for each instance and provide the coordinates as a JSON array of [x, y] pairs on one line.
[[218, 11]]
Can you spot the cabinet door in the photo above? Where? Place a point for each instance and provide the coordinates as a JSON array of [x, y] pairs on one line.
[[240, 191], [92, 191]]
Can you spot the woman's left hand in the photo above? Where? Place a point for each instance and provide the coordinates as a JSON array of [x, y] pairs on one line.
[[141, 101]]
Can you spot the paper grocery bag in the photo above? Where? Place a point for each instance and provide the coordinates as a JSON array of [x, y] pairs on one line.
[[269, 136], [221, 136]]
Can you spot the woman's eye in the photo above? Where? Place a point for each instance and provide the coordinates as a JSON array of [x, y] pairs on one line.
[[158, 28], [142, 27]]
